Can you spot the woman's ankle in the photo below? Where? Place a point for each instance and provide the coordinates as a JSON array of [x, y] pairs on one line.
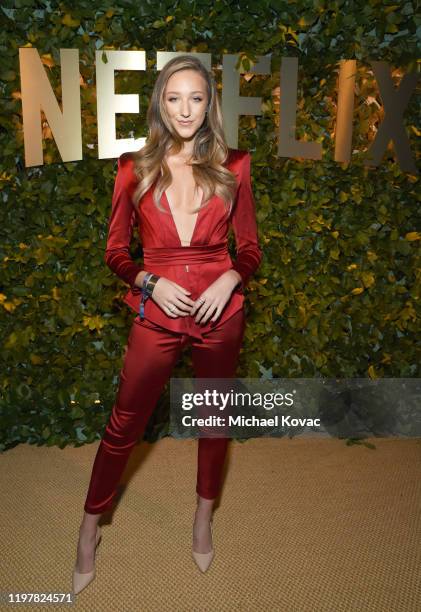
[[89, 523], [204, 506]]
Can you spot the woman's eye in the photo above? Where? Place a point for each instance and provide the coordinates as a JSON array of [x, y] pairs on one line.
[[172, 99]]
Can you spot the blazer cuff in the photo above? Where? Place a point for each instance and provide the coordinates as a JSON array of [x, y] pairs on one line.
[[132, 277]]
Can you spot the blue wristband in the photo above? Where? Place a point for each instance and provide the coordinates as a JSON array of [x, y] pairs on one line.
[[144, 295]]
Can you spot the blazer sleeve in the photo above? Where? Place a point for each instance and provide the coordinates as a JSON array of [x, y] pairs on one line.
[[249, 254], [120, 227]]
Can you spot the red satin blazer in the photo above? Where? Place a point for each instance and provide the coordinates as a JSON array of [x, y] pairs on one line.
[[193, 267]]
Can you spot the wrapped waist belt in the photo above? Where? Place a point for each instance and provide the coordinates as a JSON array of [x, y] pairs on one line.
[[185, 255]]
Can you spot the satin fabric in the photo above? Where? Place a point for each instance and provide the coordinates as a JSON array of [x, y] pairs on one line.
[[150, 357], [193, 267]]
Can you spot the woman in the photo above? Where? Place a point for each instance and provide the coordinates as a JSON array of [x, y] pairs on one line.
[[184, 189]]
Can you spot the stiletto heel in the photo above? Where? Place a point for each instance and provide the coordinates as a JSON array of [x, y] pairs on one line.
[[82, 579], [203, 560]]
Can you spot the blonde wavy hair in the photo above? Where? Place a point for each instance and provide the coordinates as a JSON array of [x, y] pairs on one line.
[[210, 150]]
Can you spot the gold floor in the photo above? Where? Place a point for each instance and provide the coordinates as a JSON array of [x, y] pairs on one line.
[[303, 524]]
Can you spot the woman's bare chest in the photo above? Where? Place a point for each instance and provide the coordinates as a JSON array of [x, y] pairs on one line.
[[183, 197]]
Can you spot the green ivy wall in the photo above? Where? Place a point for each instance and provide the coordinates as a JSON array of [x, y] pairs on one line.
[[337, 294]]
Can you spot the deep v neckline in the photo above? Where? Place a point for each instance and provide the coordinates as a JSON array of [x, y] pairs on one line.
[[175, 225]]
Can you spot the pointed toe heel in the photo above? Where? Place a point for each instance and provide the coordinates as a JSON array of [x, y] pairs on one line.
[[203, 560], [80, 580]]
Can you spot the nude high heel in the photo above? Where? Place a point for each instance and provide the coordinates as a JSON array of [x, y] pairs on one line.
[[82, 579], [203, 560]]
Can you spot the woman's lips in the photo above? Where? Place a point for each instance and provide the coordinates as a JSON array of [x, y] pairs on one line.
[[185, 122]]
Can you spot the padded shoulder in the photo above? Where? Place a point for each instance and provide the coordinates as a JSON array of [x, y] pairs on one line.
[[235, 154], [125, 158]]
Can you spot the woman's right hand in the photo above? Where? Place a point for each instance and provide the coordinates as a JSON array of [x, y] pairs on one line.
[[168, 294]]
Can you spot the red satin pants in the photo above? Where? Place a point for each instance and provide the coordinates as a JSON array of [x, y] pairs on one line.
[[152, 352]]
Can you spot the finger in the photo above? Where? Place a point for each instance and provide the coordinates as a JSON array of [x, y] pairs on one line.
[[209, 313], [202, 311], [182, 307], [185, 300], [217, 313], [172, 310], [198, 303]]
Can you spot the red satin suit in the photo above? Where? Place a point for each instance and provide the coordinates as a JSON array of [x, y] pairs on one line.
[[155, 343]]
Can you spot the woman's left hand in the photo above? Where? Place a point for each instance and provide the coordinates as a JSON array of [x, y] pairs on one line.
[[215, 296]]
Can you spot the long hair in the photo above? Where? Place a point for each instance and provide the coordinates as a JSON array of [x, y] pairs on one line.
[[210, 149]]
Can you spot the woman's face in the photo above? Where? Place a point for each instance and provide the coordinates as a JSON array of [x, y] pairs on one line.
[[185, 100]]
